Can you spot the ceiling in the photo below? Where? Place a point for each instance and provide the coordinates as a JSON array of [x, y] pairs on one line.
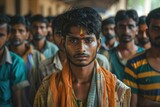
[[90, 3]]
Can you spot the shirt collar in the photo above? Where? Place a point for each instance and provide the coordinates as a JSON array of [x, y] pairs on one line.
[[57, 62], [107, 48], [6, 57], [29, 51]]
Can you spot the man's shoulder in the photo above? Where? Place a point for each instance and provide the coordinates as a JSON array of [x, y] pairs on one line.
[[112, 51], [120, 86], [15, 58], [123, 93], [46, 62], [46, 81], [50, 44], [138, 57], [38, 55]]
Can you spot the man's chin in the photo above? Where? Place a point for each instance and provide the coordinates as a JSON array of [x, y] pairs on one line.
[[80, 64], [16, 44]]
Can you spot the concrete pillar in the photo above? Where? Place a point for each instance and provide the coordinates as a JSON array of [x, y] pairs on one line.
[[10, 7], [24, 7]]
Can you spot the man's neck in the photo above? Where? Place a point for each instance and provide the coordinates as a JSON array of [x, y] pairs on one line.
[[39, 45], [20, 50], [127, 46], [111, 44], [82, 74], [127, 50]]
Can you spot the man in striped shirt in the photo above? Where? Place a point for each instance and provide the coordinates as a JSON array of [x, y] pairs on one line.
[[142, 73]]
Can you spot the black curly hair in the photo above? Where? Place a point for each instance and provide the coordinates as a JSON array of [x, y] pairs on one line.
[[125, 14], [4, 19], [18, 19], [84, 17], [154, 14]]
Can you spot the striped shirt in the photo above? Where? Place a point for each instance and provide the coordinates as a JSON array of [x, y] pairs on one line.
[[117, 63], [142, 78]]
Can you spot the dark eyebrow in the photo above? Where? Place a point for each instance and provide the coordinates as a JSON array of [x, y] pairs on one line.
[[71, 37]]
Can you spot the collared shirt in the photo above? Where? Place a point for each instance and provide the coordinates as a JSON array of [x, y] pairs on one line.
[[32, 59], [49, 50], [104, 50], [12, 76], [107, 48], [49, 66]]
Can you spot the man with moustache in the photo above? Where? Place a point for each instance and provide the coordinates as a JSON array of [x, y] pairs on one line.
[[12, 70], [142, 72], [18, 36], [108, 32], [126, 29], [39, 33], [82, 81], [142, 37], [54, 64]]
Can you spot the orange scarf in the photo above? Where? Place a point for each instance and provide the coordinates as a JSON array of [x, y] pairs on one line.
[[61, 87]]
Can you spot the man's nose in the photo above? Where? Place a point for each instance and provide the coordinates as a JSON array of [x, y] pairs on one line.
[[127, 30], [81, 46], [17, 34], [144, 34]]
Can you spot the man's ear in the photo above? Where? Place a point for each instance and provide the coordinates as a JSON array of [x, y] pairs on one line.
[[27, 35], [63, 41], [115, 29], [99, 44], [147, 32]]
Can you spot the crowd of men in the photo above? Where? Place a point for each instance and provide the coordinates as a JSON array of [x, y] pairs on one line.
[[76, 59]]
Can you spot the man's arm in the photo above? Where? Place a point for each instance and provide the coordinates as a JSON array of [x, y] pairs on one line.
[[143, 102], [16, 98], [134, 100]]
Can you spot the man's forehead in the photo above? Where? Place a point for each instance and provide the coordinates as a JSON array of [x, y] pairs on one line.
[[70, 35], [127, 21]]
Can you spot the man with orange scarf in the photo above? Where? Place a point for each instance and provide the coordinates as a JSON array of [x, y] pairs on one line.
[[82, 82]]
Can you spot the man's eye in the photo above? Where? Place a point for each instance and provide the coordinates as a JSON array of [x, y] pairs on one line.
[[73, 40], [21, 31], [131, 26], [88, 40], [43, 27]]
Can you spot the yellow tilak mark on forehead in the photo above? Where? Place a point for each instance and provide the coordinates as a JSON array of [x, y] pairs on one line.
[[81, 32]]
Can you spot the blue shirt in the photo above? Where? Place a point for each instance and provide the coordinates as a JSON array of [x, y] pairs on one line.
[[117, 65], [49, 50], [12, 76]]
